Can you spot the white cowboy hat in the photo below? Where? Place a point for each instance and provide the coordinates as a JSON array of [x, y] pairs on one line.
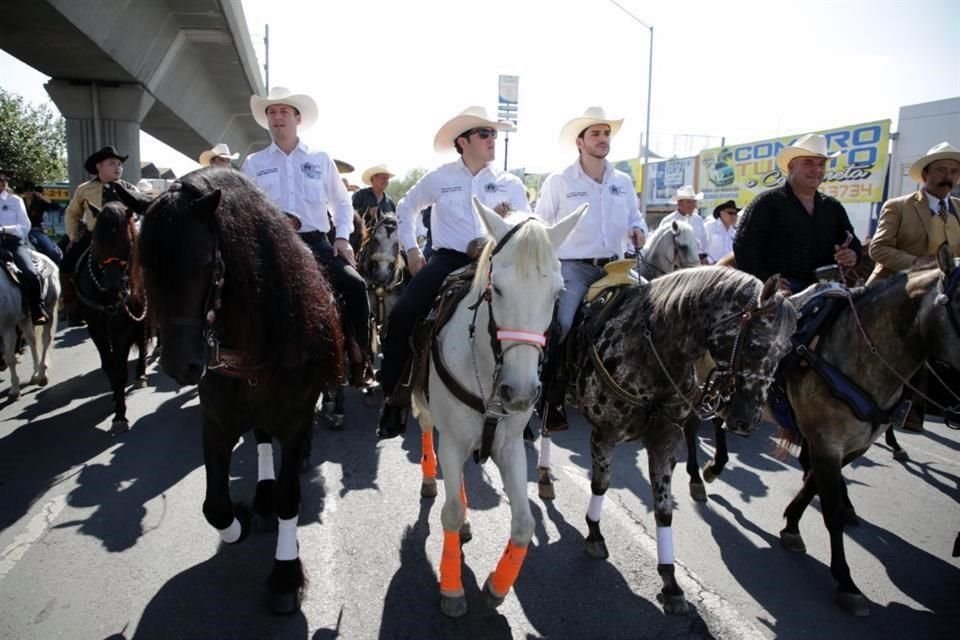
[[810, 145], [146, 187], [281, 95], [942, 151], [374, 170], [220, 150], [590, 117], [686, 193], [469, 118]]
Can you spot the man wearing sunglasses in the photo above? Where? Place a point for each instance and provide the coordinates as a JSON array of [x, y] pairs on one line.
[[612, 220], [449, 190]]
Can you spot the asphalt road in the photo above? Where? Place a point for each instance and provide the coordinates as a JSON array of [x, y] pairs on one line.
[[102, 537]]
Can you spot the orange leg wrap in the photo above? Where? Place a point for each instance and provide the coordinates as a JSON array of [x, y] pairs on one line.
[[463, 493], [428, 463], [450, 583], [507, 569]]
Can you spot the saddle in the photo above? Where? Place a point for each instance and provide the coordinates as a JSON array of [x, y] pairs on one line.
[[816, 317], [9, 267]]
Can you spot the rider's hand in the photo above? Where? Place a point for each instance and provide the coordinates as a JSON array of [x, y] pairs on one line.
[[341, 247], [503, 209], [637, 237], [845, 257], [415, 260]]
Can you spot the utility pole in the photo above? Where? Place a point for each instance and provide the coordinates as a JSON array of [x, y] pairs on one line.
[[266, 56]]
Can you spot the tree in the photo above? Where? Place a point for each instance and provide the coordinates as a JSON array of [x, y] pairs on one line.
[[398, 188], [33, 141]]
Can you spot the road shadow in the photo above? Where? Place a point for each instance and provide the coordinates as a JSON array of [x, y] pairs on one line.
[[161, 448], [223, 597], [354, 448], [411, 607]]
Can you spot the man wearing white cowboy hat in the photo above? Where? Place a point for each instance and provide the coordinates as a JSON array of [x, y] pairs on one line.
[[372, 202], [612, 219], [219, 156], [686, 211], [794, 229], [915, 225], [304, 184], [449, 189]]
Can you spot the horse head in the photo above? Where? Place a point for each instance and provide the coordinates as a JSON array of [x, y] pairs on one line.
[[668, 248], [750, 345], [111, 249], [519, 276], [380, 259]]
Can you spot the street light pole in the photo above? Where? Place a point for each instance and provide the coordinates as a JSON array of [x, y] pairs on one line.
[[645, 140]]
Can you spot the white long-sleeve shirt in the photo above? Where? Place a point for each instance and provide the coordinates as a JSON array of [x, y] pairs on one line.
[[604, 229], [450, 189], [695, 220], [719, 239], [13, 215], [304, 183]]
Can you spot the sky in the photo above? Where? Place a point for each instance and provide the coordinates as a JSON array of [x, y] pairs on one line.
[[387, 74]]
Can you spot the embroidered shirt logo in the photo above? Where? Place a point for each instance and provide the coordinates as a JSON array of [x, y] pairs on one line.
[[453, 189], [312, 171], [616, 190], [266, 172], [490, 187], [576, 194]]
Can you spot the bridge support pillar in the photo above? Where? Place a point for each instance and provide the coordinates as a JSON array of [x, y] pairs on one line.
[[99, 114]]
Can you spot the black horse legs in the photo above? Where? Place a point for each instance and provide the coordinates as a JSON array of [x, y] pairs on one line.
[[661, 464], [710, 470]]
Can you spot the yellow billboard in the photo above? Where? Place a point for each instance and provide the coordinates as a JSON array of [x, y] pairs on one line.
[[740, 172]]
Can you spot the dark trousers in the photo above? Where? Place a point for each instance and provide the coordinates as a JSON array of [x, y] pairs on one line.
[[46, 246], [29, 278], [416, 301], [347, 282]]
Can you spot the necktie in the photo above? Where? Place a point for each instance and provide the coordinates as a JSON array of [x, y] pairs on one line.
[[942, 211]]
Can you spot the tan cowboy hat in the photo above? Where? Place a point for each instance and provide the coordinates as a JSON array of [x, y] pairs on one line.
[[374, 170], [942, 151], [343, 167], [469, 118], [686, 193], [281, 95], [810, 145], [590, 117], [220, 150]]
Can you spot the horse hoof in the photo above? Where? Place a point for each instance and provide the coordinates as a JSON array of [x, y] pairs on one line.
[[792, 542], [466, 535], [673, 605], [493, 600], [118, 427], [900, 455], [283, 604], [14, 394], [853, 603], [546, 490], [428, 488], [39, 380], [709, 474], [698, 492], [453, 606], [140, 383], [336, 421], [597, 549]]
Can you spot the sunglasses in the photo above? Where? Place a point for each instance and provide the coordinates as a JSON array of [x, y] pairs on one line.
[[483, 132]]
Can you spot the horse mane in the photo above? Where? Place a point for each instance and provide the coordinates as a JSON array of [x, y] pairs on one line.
[[277, 305], [532, 246], [115, 235]]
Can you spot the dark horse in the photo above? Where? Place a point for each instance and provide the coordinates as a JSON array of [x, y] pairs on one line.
[[636, 380], [245, 313], [112, 302], [880, 340]]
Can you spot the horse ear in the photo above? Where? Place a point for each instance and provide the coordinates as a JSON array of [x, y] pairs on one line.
[[94, 209], [945, 259], [559, 232], [770, 288], [675, 227], [207, 205], [496, 226]]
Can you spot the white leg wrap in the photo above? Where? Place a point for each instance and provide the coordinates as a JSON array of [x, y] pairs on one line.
[[664, 545], [595, 508], [544, 453], [287, 539], [232, 533], [265, 462]]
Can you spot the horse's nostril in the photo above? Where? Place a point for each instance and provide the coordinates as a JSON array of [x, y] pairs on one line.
[[506, 392]]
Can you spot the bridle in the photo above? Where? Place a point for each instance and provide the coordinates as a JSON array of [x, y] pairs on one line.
[[380, 290], [642, 260], [122, 299]]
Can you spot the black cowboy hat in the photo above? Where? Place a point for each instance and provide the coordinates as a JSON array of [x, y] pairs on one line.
[[729, 204], [107, 152], [9, 174]]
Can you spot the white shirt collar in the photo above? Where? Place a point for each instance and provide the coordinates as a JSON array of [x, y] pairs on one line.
[[301, 146], [576, 171], [934, 201]]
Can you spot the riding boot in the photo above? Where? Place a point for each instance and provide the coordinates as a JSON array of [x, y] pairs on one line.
[[553, 412], [38, 314], [393, 421], [68, 295]]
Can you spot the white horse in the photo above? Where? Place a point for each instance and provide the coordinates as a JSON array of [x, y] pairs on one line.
[[491, 347], [12, 315], [670, 247]]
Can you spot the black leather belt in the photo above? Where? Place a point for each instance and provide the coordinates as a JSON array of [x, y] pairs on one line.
[[597, 262], [314, 236]]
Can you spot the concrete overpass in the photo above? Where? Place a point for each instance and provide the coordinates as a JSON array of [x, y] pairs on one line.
[[181, 70]]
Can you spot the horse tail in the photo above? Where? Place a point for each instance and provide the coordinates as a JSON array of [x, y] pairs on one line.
[[788, 442]]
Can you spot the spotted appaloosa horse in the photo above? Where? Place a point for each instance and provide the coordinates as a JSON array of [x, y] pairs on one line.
[[245, 313], [879, 341], [483, 382], [638, 382]]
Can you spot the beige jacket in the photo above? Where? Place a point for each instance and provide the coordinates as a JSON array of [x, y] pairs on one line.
[[903, 234], [92, 192]]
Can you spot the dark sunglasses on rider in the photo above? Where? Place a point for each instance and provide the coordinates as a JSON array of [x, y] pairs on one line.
[[483, 132]]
